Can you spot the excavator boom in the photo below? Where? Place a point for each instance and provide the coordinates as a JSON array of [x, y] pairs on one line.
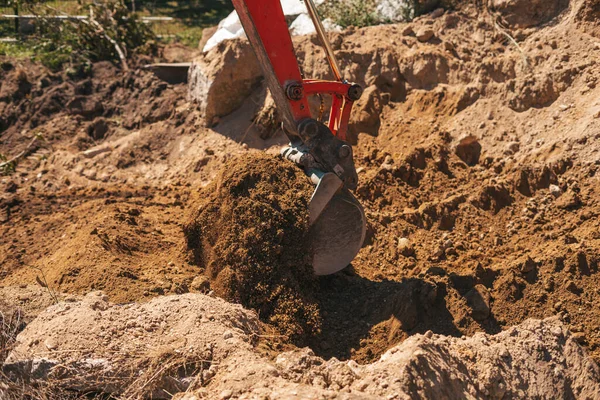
[[338, 223]]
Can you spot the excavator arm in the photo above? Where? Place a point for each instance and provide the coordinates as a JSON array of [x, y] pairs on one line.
[[337, 219]]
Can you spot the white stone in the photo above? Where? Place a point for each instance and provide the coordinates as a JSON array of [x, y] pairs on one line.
[[231, 27], [220, 35], [302, 25], [393, 10], [231, 23]]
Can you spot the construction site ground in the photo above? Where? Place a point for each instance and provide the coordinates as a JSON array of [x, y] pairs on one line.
[[479, 171]]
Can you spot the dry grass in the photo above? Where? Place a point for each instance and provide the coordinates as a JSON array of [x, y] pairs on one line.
[[168, 373]]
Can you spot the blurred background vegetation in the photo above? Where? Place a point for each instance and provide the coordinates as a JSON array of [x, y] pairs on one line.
[[82, 31]]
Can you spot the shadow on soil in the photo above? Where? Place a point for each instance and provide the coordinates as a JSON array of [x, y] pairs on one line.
[[363, 318]]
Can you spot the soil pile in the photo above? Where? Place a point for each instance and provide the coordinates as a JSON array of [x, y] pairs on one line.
[[249, 233], [204, 347], [92, 345]]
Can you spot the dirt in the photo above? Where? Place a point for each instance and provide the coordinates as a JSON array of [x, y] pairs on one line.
[[133, 337], [478, 170], [248, 233], [204, 347]]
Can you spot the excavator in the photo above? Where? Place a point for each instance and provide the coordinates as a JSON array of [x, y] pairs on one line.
[[337, 219]]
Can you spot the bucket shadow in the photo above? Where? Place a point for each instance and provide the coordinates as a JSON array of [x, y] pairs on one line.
[[353, 309]]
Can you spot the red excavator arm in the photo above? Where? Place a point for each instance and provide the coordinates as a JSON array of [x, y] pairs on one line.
[[266, 28], [337, 218]]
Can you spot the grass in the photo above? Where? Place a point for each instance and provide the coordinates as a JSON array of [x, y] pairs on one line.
[[189, 19], [17, 50]]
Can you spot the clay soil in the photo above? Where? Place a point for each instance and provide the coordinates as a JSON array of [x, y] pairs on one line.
[[478, 165]]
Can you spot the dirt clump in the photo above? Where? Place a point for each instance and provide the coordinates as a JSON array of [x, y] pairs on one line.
[[249, 233], [139, 350], [194, 347]]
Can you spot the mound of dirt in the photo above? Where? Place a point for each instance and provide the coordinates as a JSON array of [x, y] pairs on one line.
[[249, 232], [205, 347], [93, 345]]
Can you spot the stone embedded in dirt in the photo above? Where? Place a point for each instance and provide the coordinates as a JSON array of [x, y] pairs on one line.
[[220, 80], [449, 46], [438, 12], [513, 147], [478, 299], [424, 34], [469, 150], [405, 247], [407, 31], [525, 265], [555, 190], [569, 200], [200, 284], [527, 13]]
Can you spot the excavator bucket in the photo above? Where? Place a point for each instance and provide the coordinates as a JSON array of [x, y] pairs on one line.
[[338, 225]]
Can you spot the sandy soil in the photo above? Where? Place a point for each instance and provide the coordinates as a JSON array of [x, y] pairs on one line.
[[478, 166]]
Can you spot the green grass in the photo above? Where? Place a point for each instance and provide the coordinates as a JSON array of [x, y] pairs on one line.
[[17, 50], [189, 17]]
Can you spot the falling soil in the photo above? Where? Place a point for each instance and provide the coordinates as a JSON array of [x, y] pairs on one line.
[[249, 232]]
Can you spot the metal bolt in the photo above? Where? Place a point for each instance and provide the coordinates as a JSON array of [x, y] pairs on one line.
[[344, 151], [309, 128], [294, 91], [354, 92]]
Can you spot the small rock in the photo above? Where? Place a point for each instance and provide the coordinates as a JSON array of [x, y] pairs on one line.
[[526, 265], [437, 13], [439, 253], [451, 251], [478, 299], [579, 337], [555, 190], [513, 147], [225, 394], [227, 335], [571, 286], [449, 46], [570, 200], [200, 284], [407, 31], [94, 151], [424, 34], [469, 150], [50, 344], [405, 247], [558, 305], [549, 284], [564, 107]]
